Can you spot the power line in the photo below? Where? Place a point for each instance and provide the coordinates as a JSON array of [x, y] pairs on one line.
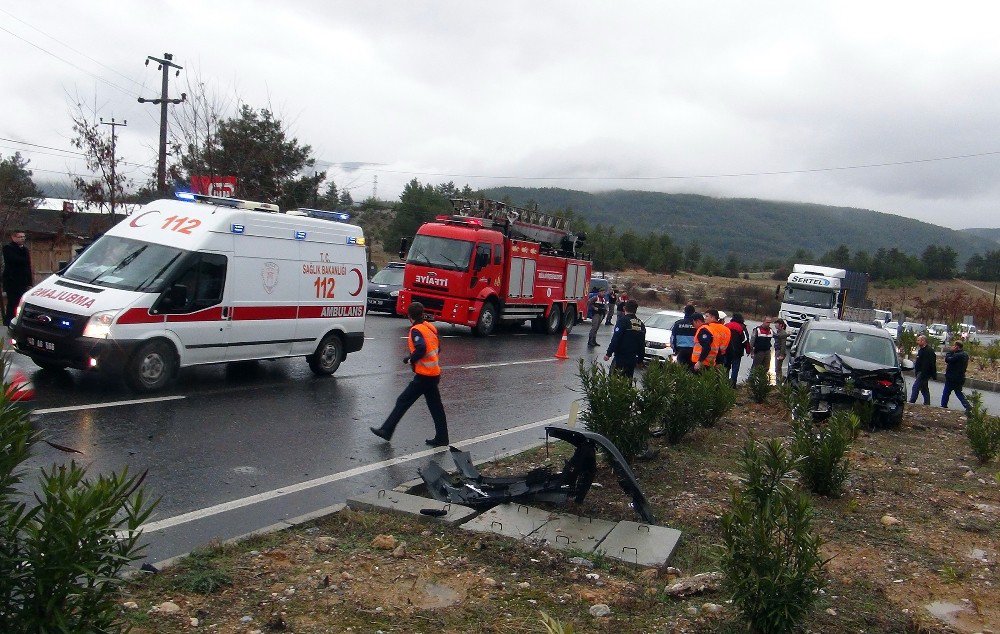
[[78, 52], [691, 176], [48, 147]]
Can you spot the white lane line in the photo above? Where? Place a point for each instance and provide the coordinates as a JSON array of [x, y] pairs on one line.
[[497, 365], [76, 408], [192, 516]]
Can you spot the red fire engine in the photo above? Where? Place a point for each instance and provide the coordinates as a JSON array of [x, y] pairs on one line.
[[491, 263]]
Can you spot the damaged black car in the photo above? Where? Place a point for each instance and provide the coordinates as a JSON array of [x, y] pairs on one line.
[[843, 363]]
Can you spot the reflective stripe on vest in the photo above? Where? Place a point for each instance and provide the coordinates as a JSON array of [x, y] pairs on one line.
[[696, 353], [428, 365]]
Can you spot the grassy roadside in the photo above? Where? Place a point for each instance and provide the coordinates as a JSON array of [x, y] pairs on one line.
[[329, 577]]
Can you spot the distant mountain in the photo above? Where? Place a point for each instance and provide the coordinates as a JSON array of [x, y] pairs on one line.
[[988, 234], [752, 229]]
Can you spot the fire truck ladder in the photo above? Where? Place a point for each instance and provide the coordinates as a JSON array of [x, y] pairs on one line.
[[526, 223]]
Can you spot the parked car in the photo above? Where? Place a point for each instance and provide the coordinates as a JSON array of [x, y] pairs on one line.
[[892, 327], [843, 363], [383, 290], [915, 327], [941, 332], [966, 331], [658, 334]]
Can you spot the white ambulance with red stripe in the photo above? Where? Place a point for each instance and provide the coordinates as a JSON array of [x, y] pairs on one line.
[[202, 280]]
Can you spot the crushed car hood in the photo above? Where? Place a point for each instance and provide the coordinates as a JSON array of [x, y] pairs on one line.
[[847, 365]]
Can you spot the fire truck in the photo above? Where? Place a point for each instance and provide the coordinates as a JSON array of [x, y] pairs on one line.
[[491, 263]]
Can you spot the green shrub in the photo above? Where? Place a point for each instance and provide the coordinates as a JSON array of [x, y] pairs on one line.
[[653, 399], [611, 409], [771, 560], [60, 558], [759, 384], [982, 429], [714, 394], [668, 400], [821, 450], [552, 626], [796, 399], [906, 341]]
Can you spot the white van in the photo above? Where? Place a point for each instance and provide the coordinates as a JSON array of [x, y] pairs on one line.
[[203, 280]]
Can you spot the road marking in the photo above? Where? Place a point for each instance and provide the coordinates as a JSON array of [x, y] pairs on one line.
[[192, 516], [497, 365], [76, 408]]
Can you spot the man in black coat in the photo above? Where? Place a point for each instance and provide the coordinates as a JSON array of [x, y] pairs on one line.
[[957, 362], [628, 343], [924, 369], [17, 276]]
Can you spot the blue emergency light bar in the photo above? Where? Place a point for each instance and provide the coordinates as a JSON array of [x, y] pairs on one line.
[[300, 235], [238, 228], [325, 214]]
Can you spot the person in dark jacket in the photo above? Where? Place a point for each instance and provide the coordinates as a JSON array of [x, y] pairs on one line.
[[628, 343], [956, 363], [17, 275], [612, 303], [924, 369], [682, 337], [738, 342]]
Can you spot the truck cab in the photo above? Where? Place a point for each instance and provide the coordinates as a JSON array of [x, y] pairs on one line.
[[820, 292]]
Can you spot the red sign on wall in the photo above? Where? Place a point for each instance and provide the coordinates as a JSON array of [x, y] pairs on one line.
[[224, 186]]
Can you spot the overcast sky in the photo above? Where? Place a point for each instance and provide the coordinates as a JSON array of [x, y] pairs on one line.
[[664, 96]]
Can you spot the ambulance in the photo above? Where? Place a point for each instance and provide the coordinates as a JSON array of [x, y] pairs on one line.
[[201, 280]]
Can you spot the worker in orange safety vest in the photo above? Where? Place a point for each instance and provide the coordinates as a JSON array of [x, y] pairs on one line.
[[711, 340], [424, 346]]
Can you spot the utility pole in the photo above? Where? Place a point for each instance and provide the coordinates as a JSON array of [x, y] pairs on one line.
[[375, 187], [114, 157], [165, 65]]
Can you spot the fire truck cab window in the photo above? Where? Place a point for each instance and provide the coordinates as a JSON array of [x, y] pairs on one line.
[[482, 256], [497, 254], [442, 253]]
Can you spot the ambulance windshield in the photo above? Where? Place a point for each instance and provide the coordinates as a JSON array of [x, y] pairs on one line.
[[440, 253], [126, 264]]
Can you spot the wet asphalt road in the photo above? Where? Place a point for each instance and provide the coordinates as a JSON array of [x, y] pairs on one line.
[[228, 433], [232, 449]]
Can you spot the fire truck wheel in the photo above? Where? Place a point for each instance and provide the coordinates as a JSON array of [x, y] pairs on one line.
[[554, 324], [569, 317], [487, 320], [328, 355], [151, 367]]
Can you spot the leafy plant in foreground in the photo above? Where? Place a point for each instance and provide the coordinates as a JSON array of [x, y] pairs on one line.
[[715, 394], [771, 558], [60, 558], [982, 429], [611, 409], [821, 450], [759, 384]]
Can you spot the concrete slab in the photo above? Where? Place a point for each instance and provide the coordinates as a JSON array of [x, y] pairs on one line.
[[511, 520], [640, 544], [397, 502], [572, 532]]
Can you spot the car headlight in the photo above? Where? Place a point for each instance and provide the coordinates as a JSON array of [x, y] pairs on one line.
[[394, 294], [99, 324]]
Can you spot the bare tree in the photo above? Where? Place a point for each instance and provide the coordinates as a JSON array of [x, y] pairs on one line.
[[195, 123], [101, 158]]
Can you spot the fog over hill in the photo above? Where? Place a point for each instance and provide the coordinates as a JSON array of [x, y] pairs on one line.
[[751, 228]]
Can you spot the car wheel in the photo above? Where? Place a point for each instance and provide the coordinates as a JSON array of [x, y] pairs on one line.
[[151, 367], [487, 321], [329, 353]]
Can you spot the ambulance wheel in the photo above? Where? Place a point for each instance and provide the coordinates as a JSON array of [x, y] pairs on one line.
[[328, 355], [553, 325], [487, 321], [569, 317], [151, 367]]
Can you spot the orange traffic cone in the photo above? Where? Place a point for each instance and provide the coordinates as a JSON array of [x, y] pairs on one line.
[[561, 352]]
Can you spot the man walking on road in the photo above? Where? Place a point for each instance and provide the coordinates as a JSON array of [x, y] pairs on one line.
[[780, 349], [17, 275], [628, 343], [598, 306], [738, 346], [924, 369], [957, 362], [424, 347], [682, 337]]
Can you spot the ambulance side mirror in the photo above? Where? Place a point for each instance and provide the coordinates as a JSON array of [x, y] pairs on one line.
[[404, 246]]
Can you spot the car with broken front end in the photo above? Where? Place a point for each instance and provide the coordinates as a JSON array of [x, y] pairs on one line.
[[843, 364]]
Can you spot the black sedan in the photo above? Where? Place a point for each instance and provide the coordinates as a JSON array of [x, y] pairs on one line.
[[383, 290]]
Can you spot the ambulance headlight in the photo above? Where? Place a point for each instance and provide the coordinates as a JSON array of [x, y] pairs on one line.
[[394, 294], [99, 325]]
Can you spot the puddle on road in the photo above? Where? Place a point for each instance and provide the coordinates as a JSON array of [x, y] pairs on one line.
[[246, 469]]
